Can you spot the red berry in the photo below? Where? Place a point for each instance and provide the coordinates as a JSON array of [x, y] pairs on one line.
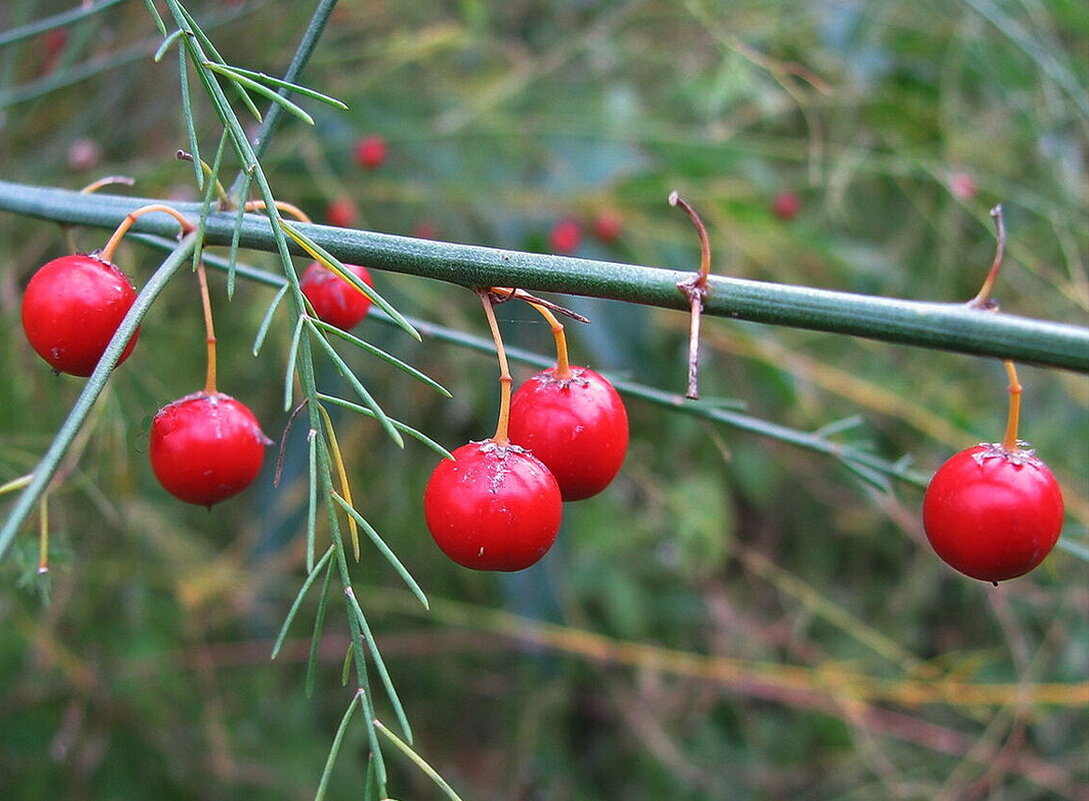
[[335, 300], [71, 310], [206, 447], [494, 507], [993, 514], [608, 225], [786, 205], [577, 426], [963, 185], [340, 212], [565, 236], [84, 154], [370, 152]]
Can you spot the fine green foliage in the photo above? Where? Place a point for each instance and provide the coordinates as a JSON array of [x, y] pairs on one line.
[[751, 610]]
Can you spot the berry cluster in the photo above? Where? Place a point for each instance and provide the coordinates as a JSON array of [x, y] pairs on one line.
[[204, 447], [497, 505]]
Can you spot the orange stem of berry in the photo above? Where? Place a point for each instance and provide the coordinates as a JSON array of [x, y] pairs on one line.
[[982, 300], [106, 254], [109, 180], [505, 380], [209, 328], [563, 365], [281, 205], [1013, 420]]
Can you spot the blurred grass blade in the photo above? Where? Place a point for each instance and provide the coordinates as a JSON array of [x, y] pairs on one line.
[[384, 356], [870, 476], [40, 26], [310, 578], [839, 426], [384, 549]]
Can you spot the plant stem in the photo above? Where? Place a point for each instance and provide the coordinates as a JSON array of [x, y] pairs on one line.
[[695, 290], [982, 300], [209, 328], [107, 252], [563, 365], [1013, 419], [935, 326], [505, 379]]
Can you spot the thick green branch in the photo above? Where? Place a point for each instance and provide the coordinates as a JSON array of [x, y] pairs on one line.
[[944, 326]]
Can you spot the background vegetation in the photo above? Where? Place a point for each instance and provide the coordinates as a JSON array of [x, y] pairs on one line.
[[734, 618]]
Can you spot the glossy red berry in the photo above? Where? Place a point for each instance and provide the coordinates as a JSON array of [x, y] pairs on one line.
[[370, 152], [608, 225], [577, 426], [335, 300], [206, 447], [991, 513], [340, 212], [786, 205], [71, 310], [565, 236], [494, 507]]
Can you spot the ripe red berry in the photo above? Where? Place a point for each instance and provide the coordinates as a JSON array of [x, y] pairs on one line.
[[963, 185], [340, 212], [370, 152], [565, 236], [335, 300], [577, 426], [71, 310], [608, 225], [494, 507], [992, 513], [206, 447], [786, 205]]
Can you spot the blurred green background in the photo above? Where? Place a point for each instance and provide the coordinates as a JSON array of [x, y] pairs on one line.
[[733, 618]]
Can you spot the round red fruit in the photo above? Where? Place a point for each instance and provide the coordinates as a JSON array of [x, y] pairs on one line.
[[335, 301], [786, 205], [577, 426], [608, 225], [370, 152], [992, 513], [340, 212], [71, 310], [493, 507], [565, 236], [206, 447]]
